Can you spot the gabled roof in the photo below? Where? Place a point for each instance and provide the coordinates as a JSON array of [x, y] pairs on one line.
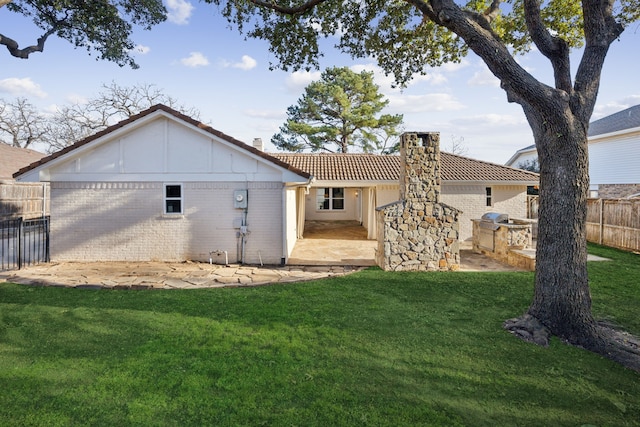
[[525, 150], [374, 167], [625, 119], [14, 158], [171, 112]]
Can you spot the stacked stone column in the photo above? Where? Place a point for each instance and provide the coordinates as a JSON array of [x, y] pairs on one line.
[[418, 232]]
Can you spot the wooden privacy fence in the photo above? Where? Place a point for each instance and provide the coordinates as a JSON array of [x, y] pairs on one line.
[[26, 200], [614, 222]]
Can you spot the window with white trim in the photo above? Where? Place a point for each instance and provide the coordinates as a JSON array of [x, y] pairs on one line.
[[173, 198], [489, 197], [330, 199]]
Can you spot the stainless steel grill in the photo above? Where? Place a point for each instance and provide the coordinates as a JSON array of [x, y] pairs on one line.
[[495, 218], [489, 223]]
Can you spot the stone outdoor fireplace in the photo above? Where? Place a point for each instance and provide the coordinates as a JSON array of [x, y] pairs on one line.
[[418, 232]]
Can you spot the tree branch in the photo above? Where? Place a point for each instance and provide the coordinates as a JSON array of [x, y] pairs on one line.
[[474, 28], [493, 10], [297, 10], [601, 29], [554, 48], [14, 50]]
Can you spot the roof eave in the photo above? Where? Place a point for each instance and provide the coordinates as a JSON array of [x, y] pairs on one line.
[[139, 120], [491, 182], [601, 136]]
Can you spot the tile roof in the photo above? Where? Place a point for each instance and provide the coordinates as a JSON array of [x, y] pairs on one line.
[[13, 158], [178, 115], [374, 167], [625, 119]]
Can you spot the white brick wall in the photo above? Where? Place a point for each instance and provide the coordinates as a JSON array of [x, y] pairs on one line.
[[125, 222], [471, 200]]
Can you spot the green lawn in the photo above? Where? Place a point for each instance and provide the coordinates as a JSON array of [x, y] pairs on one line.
[[368, 349]]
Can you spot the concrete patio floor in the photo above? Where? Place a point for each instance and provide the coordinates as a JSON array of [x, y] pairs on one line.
[[328, 250], [343, 243]]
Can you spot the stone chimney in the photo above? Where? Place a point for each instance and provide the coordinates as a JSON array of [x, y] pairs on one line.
[[418, 232], [420, 167], [257, 144]]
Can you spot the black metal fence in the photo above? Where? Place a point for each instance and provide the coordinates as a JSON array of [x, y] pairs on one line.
[[23, 242]]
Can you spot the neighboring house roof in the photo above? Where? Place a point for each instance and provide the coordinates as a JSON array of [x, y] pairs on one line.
[[625, 119], [523, 152], [374, 167], [13, 158], [171, 112]]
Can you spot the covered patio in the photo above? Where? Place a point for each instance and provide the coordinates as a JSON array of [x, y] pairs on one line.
[[341, 243], [334, 243]]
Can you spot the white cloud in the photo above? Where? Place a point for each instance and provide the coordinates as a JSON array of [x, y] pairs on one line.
[[452, 67], [265, 114], [484, 77], [141, 50], [614, 106], [21, 87], [431, 102], [434, 77], [179, 11], [195, 59], [491, 120], [75, 98], [246, 63], [298, 80]]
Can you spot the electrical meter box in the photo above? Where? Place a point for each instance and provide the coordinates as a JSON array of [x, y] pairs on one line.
[[240, 199]]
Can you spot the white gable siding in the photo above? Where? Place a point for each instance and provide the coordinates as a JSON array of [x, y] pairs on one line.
[[616, 160], [165, 150]]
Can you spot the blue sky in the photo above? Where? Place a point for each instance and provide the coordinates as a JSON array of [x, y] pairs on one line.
[[195, 58]]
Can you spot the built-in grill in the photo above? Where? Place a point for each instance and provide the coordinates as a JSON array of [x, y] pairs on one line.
[[489, 223]]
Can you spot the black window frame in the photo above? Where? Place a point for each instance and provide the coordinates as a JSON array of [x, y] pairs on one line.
[[173, 201], [331, 199]]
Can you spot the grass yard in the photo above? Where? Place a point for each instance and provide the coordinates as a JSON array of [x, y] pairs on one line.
[[368, 349]]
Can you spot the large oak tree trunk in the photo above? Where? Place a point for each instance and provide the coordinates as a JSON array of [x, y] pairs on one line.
[[562, 301]]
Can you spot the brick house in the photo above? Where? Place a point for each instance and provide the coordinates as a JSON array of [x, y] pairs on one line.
[[362, 182], [162, 186]]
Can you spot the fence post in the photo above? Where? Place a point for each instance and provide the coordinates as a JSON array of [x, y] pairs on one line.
[[20, 230], [601, 237], [47, 225]]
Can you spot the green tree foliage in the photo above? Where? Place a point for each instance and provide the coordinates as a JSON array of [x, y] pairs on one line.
[[408, 37], [101, 27], [338, 112]]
